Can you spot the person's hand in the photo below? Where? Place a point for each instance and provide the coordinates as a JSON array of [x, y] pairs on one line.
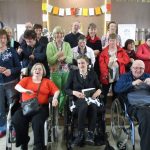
[[19, 50], [54, 102], [96, 52], [31, 57], [61, 59], [2, 69], [96, 94], [29, 92], [131, 60], [137, 82], [147, 81], [60, 54], [78, 94], [7, 72]]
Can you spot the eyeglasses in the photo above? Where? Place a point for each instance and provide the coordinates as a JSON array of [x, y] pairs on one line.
[[138, 68]]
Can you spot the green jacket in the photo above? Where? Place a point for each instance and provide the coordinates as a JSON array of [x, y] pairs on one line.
[[51, 53]]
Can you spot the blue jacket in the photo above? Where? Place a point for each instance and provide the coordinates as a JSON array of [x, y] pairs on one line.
[[124, 84], [9, 59]]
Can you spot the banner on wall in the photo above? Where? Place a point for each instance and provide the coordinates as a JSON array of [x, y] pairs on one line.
[[76, 11]]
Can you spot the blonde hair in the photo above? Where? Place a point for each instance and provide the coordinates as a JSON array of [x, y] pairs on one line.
[[58, 29], [8, 29], [34, 66]]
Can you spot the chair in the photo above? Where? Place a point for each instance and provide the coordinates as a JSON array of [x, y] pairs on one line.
[[70, 124], [50, 127], [122, 124]]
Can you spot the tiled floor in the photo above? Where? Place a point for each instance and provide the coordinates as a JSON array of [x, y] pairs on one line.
[[61, 146]]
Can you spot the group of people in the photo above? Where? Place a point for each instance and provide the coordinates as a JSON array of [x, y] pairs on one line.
[[73, 62]]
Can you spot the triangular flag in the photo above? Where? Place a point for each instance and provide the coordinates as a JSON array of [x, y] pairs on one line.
[[91, 11], [85, 12], [55, 10], [68, 11], [49, 8], [44, 6], [103, 8], [98, 11], [61, 11]]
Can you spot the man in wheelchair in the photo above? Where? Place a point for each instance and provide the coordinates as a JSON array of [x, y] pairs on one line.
[[135, 87], [84, 78]]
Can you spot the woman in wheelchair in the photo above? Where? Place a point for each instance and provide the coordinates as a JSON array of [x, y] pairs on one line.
[[78, 80], [29, 86], [137, 84]]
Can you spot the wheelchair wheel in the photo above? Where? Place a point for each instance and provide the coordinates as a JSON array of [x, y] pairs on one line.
[[120, 125], [117, 120]]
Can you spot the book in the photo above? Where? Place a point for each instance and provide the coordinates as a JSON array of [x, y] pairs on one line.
[[88, 92]]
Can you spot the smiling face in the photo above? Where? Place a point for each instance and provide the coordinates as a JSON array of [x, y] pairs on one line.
[[92, 32], [112, 28], [30, 42], [130, 46], [3, 40], [137, 68], [82, 65], [38, 71]]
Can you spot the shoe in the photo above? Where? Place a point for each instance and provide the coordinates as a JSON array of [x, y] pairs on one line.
[[24, 147], [79, 140], [39, 147], [90, 138]]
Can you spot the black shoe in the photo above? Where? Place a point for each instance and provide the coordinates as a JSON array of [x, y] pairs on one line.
[[79, 140], [24, 147], [90, 138], [39, 147]]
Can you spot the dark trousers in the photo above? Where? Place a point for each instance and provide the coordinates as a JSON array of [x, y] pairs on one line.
[[105, 90], [21, 125], [143, 116], [86, 111]]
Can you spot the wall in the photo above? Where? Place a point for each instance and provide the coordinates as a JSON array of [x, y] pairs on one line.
[[131, 12], [14, 12], [66, 21]]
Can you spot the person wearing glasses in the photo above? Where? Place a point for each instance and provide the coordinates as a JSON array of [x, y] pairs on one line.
[[132, 81]]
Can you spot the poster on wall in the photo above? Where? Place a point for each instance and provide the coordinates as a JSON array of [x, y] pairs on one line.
[[20, 30], [126, 31]]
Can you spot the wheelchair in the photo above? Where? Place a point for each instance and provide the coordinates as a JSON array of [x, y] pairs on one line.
[[70, 125], [122, 124], [50, 127]]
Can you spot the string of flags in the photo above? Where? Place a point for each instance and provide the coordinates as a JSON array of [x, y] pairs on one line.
[[76, 11]]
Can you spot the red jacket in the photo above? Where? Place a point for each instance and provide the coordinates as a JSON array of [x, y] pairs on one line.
[[143, 53], [122, 59]]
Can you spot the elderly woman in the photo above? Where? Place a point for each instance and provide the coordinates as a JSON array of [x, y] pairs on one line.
[[112, 62], [28, 86], [9, 76], [80, 79], [59, 55], [94, 42]]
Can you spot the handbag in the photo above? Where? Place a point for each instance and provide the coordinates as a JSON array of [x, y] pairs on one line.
[[31, 106], [140, 96]]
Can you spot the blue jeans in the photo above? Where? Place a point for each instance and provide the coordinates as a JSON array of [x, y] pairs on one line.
[[7, 91]]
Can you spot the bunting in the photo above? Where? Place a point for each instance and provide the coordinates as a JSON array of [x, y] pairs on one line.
[[76, 11]]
